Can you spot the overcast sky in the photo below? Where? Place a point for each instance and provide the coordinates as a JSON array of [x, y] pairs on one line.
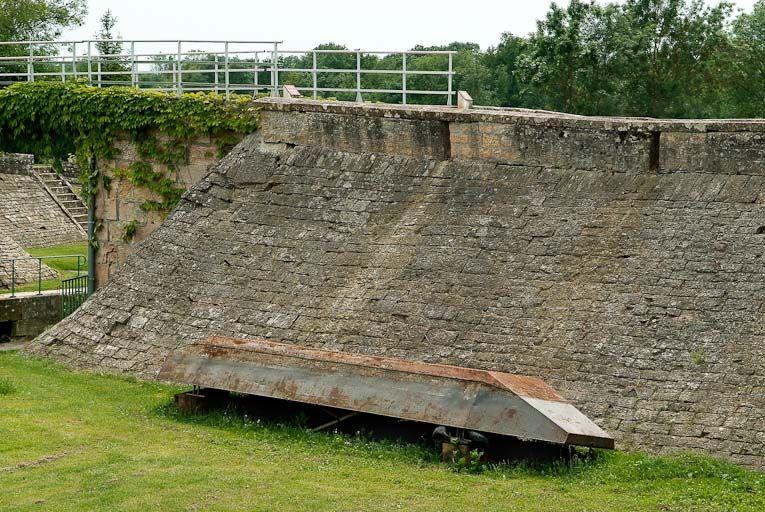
[[381, 25]]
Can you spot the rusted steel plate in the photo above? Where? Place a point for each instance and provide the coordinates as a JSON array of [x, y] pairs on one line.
[[485, 401]]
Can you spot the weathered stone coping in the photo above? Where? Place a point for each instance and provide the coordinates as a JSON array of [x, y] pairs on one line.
[[512, 116]]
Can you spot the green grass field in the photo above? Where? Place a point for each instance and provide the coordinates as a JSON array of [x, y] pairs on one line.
[[66, 267], [74, 441]]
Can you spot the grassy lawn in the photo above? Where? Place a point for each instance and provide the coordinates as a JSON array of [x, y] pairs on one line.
[[66, 267], [75, 441]]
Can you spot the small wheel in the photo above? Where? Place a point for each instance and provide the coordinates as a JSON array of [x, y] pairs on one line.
[[441, 435]]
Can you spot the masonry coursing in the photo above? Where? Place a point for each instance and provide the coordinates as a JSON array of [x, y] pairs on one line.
[[619, 260], [121, 203], [30, 216]]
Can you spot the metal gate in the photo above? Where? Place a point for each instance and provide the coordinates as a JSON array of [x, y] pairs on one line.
[[74, 291]]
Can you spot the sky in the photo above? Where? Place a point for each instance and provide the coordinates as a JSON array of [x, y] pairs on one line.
[[381, 25]]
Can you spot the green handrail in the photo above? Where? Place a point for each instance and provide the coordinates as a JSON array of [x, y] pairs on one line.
[[81, 260]]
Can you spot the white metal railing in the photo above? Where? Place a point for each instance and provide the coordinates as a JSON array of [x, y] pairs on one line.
[[232, 67]]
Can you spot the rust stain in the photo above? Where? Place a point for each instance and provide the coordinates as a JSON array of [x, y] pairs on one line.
[[521, 385], [287, 388], [527, 386]]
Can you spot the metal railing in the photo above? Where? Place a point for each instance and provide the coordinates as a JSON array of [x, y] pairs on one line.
[[81, 260], [74, 292], [232, 67]]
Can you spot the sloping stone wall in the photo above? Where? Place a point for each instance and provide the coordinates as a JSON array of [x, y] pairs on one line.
[[30, 216], [620, 260]]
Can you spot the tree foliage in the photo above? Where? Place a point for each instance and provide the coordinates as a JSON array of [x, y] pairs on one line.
[[39, 20]]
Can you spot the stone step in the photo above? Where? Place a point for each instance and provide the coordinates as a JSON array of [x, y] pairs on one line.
[[64, 194]]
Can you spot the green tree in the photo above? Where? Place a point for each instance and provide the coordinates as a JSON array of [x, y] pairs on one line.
[[747, 69], [569, 59], [109, 43], [40, 20], [110, 63], [667, 56], [503, 85]]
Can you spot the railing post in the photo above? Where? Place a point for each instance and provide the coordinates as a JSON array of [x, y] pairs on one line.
[[180, 70], [275, 71], [403, 79], [255, 75], [133, 72], [449, 95], [74, 60], [215, 73], [225, 66], [358, 76], [31, 64], [63, 71], [90, 64], [314, 74]]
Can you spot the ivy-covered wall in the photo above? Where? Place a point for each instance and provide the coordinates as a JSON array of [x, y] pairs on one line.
[[126, 209], [149, 147]]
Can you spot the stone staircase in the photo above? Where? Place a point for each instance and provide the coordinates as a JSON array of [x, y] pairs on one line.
[[64, 194]]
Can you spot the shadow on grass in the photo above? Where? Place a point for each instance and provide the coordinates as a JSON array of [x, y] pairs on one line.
[[368, 440]]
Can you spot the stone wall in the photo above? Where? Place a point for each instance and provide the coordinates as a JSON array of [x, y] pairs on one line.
[[120, 205], [30, 216], [620, 260], [16, 163]]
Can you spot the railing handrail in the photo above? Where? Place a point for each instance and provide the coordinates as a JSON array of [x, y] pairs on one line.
[[80, 59], [39, 259], [44, 257], [78, 41]]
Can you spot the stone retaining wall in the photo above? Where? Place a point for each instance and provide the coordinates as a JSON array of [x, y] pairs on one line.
[[117, 207], [618, 259]]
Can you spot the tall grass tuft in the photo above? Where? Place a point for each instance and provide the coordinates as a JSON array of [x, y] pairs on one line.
[[6, 387]]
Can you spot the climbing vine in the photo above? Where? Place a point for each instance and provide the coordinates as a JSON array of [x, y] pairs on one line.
[[55, 121]]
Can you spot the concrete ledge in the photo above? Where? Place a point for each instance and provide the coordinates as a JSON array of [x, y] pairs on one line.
[[511, 116], [407, 137], [30, 314], [520, 137]]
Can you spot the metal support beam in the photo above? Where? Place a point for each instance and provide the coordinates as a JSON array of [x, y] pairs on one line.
[[92, 233]]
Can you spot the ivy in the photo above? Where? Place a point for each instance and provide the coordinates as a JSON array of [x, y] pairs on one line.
[[54, 120], [130, 230]]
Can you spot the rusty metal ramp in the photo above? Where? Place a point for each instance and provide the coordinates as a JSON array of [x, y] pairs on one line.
[[486, 401]]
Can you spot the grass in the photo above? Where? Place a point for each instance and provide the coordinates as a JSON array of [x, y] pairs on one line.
[[6, 387], [66, 267], [74, 441]]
